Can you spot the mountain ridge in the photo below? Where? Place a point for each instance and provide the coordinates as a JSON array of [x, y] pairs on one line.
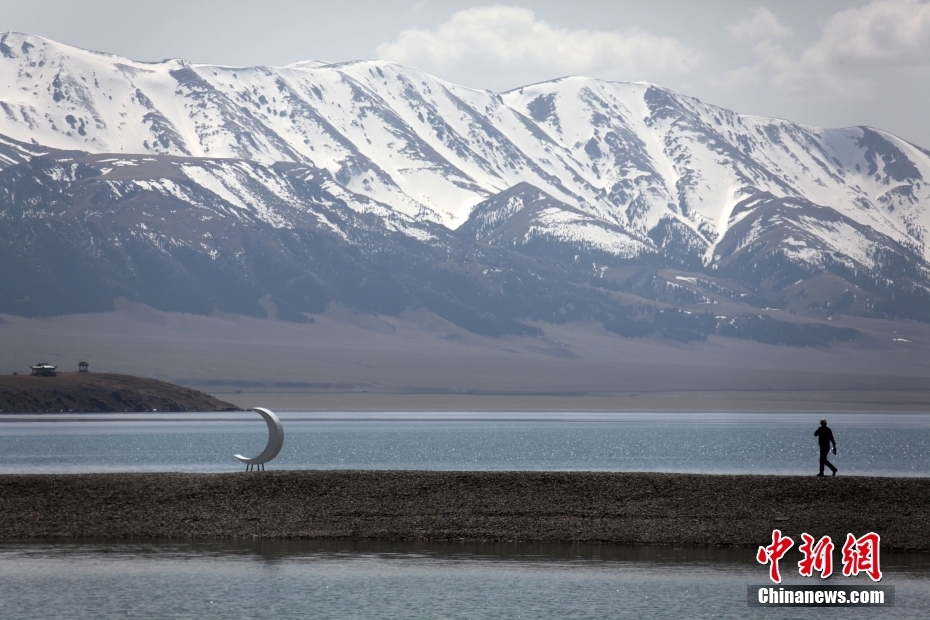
[[487, 208], [396, 108]]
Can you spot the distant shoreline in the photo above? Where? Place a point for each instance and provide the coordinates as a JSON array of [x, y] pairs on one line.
[[684, 401], [555, 507]]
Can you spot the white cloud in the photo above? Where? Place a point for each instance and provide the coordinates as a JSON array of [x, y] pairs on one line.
[[760, 25], [854, 47], [512, 39], [887, 30]]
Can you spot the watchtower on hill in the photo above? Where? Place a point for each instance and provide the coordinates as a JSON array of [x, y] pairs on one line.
[[83, 366]]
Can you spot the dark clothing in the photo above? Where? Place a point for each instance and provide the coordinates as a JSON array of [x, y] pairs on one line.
[[825, 436], [824, 451]]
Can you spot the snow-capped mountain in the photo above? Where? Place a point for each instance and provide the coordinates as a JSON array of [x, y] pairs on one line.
[[629, 155], [78, 230], [366, 150]]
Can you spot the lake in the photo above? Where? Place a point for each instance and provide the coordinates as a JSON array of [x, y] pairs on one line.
[[869, 444], [347, 580]]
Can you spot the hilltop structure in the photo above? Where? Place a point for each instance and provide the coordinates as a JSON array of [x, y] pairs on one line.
[[44, 369]]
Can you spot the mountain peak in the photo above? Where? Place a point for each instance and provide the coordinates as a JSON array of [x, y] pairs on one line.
[[273, 191], [632, 156], [307, 64]]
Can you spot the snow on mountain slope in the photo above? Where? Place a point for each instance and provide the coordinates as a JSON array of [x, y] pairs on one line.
[[15, 152], [804, 233], [284, 196], [232, 190], [663, 171], [525, 215], [658, 154]]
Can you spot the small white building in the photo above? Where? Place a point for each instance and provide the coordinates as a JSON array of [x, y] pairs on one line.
[[43, 369]]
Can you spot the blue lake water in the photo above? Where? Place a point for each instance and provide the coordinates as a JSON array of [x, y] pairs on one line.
[[345, 580], [869, 444]]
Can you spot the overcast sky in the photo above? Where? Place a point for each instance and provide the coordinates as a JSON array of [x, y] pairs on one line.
[[829, 63]]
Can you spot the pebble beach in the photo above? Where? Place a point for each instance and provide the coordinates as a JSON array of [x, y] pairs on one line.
[[556, 507]]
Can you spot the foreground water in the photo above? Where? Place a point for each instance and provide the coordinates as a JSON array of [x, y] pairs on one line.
[[869, 444], [383, 580], [346, 580]]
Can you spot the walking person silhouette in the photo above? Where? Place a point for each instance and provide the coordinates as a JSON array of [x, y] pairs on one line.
[[825, 436]]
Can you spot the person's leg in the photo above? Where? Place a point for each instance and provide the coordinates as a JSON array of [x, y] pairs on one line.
[[828, 463], [823, 460]]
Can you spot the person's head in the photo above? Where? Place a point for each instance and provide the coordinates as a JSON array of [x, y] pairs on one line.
[[823, 422]]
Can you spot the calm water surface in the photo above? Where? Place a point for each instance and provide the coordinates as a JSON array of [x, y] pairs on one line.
[[869, 444], [355, 580], [345, 580]]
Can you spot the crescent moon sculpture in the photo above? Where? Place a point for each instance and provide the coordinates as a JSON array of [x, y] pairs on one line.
[[275, 441]]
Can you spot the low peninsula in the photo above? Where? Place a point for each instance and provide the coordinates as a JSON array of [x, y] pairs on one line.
[[100, 392], [554, 507]]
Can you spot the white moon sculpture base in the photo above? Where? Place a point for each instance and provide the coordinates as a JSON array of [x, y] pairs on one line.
[[275, 441]]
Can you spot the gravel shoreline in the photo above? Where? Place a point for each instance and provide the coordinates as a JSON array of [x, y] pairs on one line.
[[588, 507]]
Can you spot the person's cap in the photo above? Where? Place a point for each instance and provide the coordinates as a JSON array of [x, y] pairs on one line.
[[823, 422]]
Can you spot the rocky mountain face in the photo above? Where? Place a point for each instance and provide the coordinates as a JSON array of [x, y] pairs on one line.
[[276, 191]]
